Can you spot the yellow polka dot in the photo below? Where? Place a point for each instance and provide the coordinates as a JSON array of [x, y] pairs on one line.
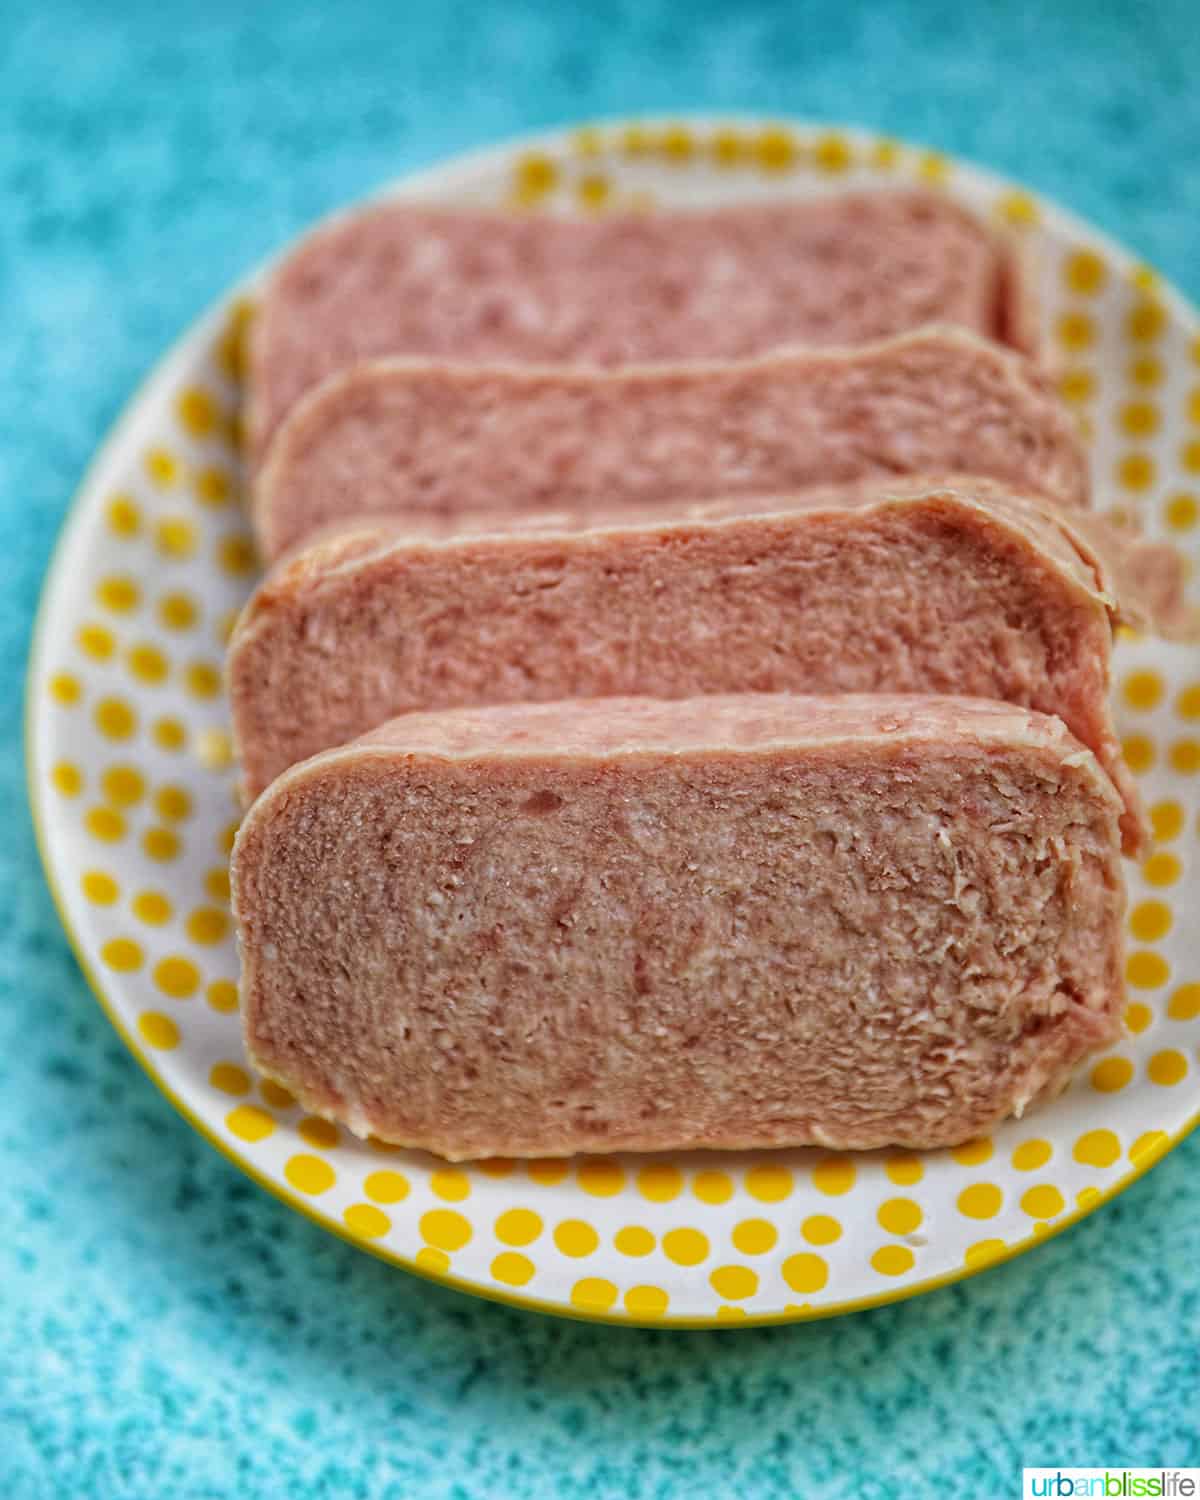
[[1143, 690], [1076, 331], [512, 1268], [1111, 1075], [366, 1221], [65, 689], [1146, 970], [593, 190], [67, 778], [148, 664], [324, 1134], [434, 1261], [677, 144], [100, 888], [1150, 920], [1166, 818], [225, 626], [222, 995], [207, 925], [1150, 1143], [229, 1078], [1077, 386], [1019, 210], [1145, 321], [686, 1247], [124, 518], [1136, 471], [726, 1314], [1185, 756], [1138, 1017], [309, 1174], [1084, 272], [535, 176], [115, 719], [832, 154], [820, 1229], [162, 466], [518, 1226], [445, 1228], [1187, 704], [198, 413], [158, 1030], [177, 977], [575, 1238], [96, 641], [214, 749], [885, 154], [660, 1184], [646, 1301], [712, 1187], [634, 1240], [160, 843], [228, 835], [734, 1282], [105, 824], [451, 1186], [177, 611], [1167, 1068], [754, 1236], [249, 1123], [904, 1170], [983, 1252], [216, 883], [1140, 419], [123, 785], [202, 679], [973, 1153], [276, 1095], [727, 148], [899, 1216], [834, 1176], [1042, 1201], [1189, 456], [892, 1260], [152, 907], [593, 1293], [1139, 751], [175, 537], [982, 1200], [1184, 1004], [1030, 1155], [805, 1272], [547, 1172], [601, 1179], [169, 734], [236, 555], [496, 1166], [1088, 1197], [213, 487], [118, 593], [933, 167], [1097, 1148], [1145, 370]]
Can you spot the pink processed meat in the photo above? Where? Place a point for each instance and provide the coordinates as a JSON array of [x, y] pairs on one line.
[[734, 922], [480, 285], [960, 587], [421, 442]]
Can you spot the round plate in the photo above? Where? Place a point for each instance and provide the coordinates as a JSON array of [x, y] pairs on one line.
[[132, 791]]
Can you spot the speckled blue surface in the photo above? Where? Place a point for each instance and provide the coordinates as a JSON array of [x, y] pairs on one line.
[[166, 1328]]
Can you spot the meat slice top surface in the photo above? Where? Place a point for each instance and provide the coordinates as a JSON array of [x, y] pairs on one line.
[[485, 285], [412, 439], [737, 922], [966, 589]]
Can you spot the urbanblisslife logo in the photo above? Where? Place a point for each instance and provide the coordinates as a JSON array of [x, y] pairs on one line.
[[1119, 1484]]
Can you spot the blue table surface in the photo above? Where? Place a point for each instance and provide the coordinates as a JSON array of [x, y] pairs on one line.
[[165, 1327]]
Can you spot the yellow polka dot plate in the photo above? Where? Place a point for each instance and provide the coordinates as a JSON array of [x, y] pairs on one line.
[[132, 791]]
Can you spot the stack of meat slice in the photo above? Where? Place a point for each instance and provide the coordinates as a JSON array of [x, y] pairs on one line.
[[677, 712]]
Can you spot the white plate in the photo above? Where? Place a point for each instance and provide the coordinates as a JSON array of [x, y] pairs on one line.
[[132, 794]]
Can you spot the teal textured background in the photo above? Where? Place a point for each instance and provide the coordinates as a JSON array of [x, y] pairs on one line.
[[166, 1329]]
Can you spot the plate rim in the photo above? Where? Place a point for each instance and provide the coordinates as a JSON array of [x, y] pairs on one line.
[[555, 139]]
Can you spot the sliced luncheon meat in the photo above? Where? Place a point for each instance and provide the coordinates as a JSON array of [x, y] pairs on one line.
[[417, 441], [476, 284], [959, 587], [743, 921]]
